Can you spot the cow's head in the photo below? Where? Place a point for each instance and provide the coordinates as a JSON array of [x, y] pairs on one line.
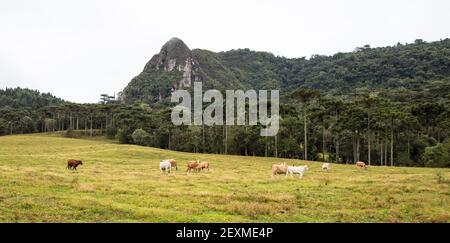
[[80, 162]]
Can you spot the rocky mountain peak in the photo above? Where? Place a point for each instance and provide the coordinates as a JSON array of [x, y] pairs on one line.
[[175, 55]]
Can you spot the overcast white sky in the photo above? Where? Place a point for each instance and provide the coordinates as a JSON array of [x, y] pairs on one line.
[[81, 48]]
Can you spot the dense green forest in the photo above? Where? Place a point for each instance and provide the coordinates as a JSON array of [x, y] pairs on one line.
[[401, 66], [18, 98], [385, 106]]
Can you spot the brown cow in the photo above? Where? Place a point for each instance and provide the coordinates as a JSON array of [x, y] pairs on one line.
[[279, 169], [72, 164], [192, 165], [361, 164], [203, 165], [173, 163]]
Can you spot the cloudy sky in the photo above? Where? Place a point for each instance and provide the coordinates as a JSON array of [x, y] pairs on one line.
[[78, 49]]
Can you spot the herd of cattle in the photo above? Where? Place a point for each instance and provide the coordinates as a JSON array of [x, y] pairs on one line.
[[197, 166], [194, 165]]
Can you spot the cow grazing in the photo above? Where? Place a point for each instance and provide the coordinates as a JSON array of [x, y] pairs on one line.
[[325, 167], [173, 163], [361, 164], [279, 169], [165, 165], [300, 170], [192, 165], [72, 164], [203, 165]]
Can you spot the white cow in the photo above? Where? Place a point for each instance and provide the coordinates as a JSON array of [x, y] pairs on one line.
[[325, 167], [300, 170], [165, 165]]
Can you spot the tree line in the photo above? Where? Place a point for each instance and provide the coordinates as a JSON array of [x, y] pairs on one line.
[[369, 126]]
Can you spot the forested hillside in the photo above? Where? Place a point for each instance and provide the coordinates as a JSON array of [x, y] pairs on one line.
[[18, 97], [405, 69], [402, 66], [19, 109]]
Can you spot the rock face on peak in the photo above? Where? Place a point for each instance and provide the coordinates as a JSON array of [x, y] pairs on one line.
[[175, 55], [174, 67]]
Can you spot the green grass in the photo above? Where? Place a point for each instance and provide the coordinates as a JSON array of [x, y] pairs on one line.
[[122, 183]]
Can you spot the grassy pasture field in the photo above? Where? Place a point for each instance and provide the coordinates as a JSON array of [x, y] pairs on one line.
[[122, 183]]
